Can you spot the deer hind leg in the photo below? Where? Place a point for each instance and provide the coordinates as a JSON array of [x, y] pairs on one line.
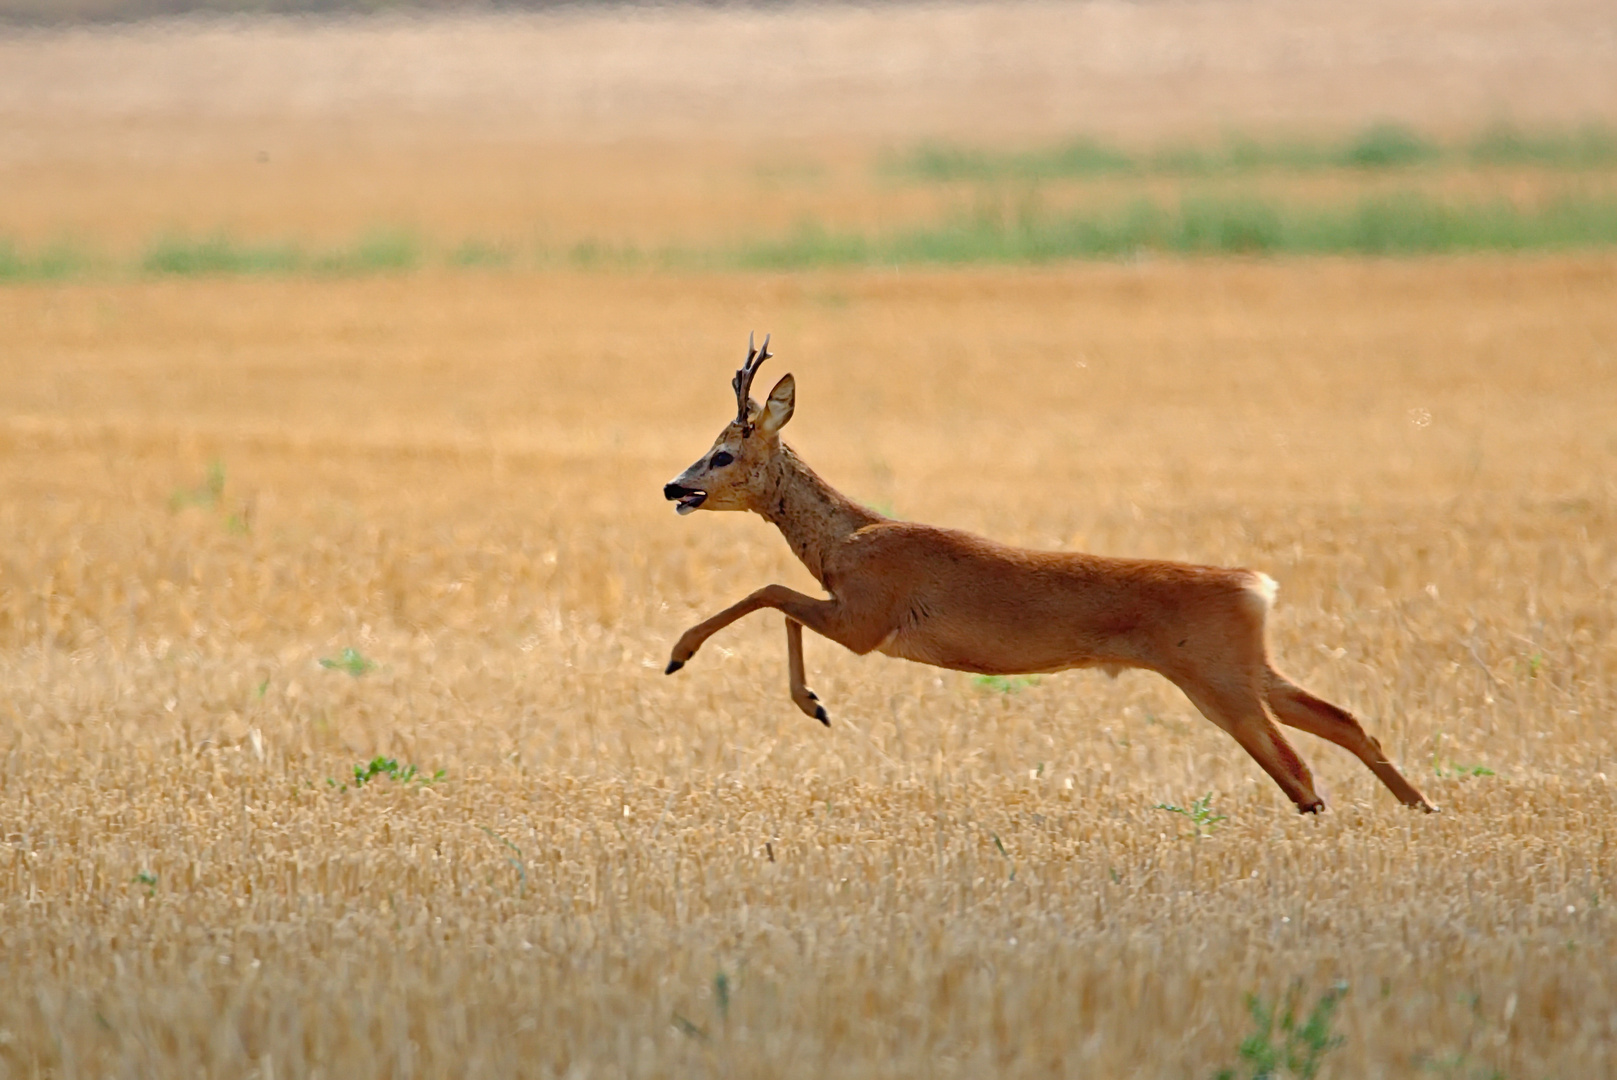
[[1241, 712], [1297, 708], [802, 696]]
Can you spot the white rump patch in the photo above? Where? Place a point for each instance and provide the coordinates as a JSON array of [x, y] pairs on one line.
[[1265, 587]]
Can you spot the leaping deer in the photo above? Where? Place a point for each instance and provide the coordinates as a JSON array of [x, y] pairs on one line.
[[954, 600]]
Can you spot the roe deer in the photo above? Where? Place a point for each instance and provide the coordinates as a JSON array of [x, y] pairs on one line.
[[959, 601]]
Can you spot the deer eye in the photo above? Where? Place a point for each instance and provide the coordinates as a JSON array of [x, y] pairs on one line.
[[720, 460]]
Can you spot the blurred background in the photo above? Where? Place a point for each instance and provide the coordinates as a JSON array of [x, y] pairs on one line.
[[795, 136], [345, 349]]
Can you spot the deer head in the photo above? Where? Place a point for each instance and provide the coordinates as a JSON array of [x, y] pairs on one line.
[[734, 473]]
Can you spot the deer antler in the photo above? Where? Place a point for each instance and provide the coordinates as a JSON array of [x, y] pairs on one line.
[[742, 383]]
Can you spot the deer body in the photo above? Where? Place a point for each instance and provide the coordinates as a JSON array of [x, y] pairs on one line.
[[955, 600]]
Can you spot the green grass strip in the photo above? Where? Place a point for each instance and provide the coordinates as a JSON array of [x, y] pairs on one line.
[[1406, 224], [54, 263], [1409, 223], [375, 252], [1378, 147]]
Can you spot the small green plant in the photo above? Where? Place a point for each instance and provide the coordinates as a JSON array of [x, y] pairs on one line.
[[351, 660], [518, 863], [1281, 1045], [1454, 770], [1007, 855], [1006, 684], [207, 494], [148, 879], [390, 768], [1201, 815], [721, 993]]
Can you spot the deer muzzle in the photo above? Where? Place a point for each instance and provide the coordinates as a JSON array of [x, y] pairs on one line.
[[688, 499]]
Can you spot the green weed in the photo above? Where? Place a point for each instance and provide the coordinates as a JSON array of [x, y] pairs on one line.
[[1006, 684], [1201, 815], [519, 863], [1454, 770], [721, 993], [207, 494], [389, 767], [1000, 846], [351, 660], [1280, 1044], [148, 879]]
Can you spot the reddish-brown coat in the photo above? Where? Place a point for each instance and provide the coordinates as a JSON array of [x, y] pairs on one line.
[[955, 600]]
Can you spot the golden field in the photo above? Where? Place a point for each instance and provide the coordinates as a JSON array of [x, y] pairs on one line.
[[211, 485]]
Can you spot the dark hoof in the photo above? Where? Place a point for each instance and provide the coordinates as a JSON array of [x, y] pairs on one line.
[[1315, 807], [819, 714], [673, 666]]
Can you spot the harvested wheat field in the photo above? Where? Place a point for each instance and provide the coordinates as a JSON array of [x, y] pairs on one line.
[[335, 600]]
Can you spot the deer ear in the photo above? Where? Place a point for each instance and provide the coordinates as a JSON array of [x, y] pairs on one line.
[[778, 409]]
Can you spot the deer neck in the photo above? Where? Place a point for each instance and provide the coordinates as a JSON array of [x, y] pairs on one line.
[[810, 513]]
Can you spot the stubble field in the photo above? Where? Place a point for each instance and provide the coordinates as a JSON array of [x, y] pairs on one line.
[[262, 531]]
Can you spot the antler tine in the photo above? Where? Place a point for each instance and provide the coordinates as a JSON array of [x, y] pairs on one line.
[[742, 383]]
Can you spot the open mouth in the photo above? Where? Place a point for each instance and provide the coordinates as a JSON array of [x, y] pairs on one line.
[[686, 499]]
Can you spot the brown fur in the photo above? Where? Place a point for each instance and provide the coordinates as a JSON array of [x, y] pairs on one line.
[[954, 600]]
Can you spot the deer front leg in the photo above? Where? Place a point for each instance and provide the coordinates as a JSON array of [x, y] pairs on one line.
[[802, 696], [828, 618]]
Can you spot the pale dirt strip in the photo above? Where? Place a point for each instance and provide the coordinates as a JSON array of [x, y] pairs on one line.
[[997, 70]]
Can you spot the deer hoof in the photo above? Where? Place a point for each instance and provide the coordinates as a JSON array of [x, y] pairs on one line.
[[819, 714], [673, 666], [1315, 807]]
